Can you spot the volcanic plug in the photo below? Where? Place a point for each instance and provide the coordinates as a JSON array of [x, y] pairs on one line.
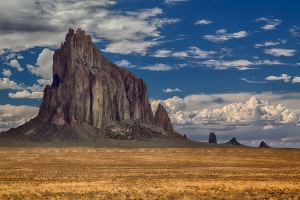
[[91, 96]]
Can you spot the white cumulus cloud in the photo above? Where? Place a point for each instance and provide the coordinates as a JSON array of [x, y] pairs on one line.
[[172, 90], [50, 21], [198, 53], [281, 52], [203, 22], [128, 47], [181, 54], [295, 31], [5, 83], [271, 23], [296, 79], [6, 72], [158, 67], [45, 63], [173, 1], [13, 116], [14, 63], [26, 94], [284, 77], [238, 64], [266, 44], [124, 63], [161, 53], [146, 13], [233, 115], [269, 127], [222, 35], [193, 52], [173, 105], [249, 81]]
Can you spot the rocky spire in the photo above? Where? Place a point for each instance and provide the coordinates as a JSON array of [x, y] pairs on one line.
[[91, 89], [263, 145], [233, 141], [212, 138], [162, 119]]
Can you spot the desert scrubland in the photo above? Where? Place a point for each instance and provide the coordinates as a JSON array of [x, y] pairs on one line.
[[199, 173]]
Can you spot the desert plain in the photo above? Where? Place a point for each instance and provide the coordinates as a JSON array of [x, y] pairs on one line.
[[149, 173]]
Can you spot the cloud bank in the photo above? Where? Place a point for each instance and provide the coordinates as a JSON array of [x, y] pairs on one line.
[[22, 24], [14, 116], [216, 111]]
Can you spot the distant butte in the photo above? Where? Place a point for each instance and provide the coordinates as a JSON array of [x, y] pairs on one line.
[[263, 145], [233, 141], [212, 138]]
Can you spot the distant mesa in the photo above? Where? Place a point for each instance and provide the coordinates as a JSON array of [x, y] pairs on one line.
[[263, 145], [212, 138], [233, 141], [92, 99]]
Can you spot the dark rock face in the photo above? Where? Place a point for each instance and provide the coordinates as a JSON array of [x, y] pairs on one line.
[[263, 145], [212, 138], [92, 97], [162, 119], [233, 141], [92, 89]]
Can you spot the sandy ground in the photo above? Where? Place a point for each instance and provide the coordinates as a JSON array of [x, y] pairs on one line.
[[168, 173]]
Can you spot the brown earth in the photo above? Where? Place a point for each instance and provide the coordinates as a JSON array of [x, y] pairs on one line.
[[190, 173]]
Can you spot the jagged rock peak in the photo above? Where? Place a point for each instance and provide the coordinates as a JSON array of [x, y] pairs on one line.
[[263, 145], [233, 141], [212, 138], [91, 89], [162, 119]]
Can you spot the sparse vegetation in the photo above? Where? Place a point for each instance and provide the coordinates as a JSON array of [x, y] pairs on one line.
[[82, 173]]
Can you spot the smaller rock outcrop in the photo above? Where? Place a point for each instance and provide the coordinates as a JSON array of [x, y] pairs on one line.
[[212, 138], [163, 120], [233, 141], [264, 145]]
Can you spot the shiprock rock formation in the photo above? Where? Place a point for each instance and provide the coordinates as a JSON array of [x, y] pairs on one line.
[[212, 138], [233, 141], [91, 97], [263, 145]]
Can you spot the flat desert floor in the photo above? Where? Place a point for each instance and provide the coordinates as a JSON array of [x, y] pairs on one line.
[[198, 173]]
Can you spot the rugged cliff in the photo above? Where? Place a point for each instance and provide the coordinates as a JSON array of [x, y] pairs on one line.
[[89, 94], [91, 89]]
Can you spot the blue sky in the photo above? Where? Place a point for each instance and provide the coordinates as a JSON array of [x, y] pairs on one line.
[[227, 66]]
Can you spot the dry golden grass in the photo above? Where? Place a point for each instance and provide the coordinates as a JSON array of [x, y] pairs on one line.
[[81, 173]]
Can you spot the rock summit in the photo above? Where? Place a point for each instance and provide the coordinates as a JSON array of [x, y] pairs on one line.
[[263, 145], [233, 141]]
